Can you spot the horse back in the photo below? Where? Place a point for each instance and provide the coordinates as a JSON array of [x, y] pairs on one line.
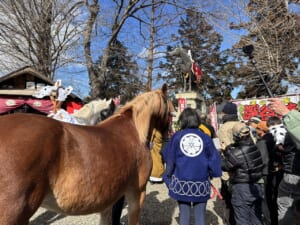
[[27, 140]]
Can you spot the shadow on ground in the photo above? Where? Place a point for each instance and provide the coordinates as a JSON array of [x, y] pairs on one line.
[[165, 212], [156, 212], [46, 218], [158, 209]]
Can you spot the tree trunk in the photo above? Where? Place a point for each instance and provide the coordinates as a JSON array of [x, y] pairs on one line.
[[44, 47], [151, 48], [94, 83]]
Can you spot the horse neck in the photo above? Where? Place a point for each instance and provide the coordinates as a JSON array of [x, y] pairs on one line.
[[146, 110], [144, 118], [142, 124]]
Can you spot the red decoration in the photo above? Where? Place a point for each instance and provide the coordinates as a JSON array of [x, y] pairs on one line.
[[181, 104], [197, 71], [10, 103], [72, 106]]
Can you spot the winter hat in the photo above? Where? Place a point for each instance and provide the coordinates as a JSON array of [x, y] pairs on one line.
[[230, 108], [262, 125], [240, 130], [255, 119]]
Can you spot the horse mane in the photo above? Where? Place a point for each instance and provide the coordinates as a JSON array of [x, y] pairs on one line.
[[143, 107]]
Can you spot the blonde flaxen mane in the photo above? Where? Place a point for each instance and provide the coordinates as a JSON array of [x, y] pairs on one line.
[[143, 107]]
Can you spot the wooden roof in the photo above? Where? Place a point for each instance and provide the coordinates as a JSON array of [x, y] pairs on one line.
[[26, 70], [16, 82]]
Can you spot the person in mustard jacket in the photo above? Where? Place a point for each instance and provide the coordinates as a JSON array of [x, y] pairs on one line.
[[158, 167]]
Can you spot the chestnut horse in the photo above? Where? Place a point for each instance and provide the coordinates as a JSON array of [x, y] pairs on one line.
[[75, 169]]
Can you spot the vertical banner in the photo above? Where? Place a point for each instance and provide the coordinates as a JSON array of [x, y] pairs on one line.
[[181, 104], [214, 117]]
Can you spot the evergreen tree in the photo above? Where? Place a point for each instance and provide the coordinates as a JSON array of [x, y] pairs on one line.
[[273, 32], [121, 74], [197, 35]]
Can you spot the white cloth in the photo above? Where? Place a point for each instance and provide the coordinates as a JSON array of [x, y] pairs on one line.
[[278, 131], [63, 115]]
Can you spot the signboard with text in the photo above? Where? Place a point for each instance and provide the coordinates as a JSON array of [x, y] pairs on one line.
[[252, 107]]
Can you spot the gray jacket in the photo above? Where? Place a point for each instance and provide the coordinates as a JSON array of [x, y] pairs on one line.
[[292, 124]]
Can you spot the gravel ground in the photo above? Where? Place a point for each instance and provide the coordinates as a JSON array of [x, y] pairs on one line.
[[158, 209]]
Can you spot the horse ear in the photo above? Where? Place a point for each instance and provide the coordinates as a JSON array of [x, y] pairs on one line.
[[164, 89]]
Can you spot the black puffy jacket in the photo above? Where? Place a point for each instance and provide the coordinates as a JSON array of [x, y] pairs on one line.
[[244, 161]]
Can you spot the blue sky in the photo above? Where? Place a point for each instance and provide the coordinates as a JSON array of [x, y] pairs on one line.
[[76, 75]]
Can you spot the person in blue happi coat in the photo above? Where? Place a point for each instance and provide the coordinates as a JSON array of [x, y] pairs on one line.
[[191, 161]]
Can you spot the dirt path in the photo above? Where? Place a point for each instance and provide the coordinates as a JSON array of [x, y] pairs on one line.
[[158, 209]]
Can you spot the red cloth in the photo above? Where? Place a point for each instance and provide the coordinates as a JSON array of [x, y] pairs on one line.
[[197, 71], [72, 106], [215, 192], [10, 103]]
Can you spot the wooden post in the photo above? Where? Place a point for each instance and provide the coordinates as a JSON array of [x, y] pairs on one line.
[[190, 81], [184, 83]]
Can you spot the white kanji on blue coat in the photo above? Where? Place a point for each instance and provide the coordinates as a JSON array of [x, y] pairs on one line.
[[191, 145]]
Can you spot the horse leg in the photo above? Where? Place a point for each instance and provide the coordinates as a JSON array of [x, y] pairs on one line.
[[135, 203], [9, 217], [19, 203], [105, 216], [12, 211]]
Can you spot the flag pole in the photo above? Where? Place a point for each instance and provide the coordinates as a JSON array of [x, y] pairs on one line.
[[248, 50]]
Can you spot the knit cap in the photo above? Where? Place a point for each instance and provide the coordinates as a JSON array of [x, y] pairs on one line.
[[240, 130], [262, 125], [255, 119], [230, 108]]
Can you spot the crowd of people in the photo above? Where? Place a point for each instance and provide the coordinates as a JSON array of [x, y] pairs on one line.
[[258, 163], [261, 164]]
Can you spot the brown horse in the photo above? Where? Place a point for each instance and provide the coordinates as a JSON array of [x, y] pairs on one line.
[[77, 170]]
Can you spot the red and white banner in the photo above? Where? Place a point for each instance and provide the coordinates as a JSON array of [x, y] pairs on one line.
[[259, 106], [214, 117], [181, 104]]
